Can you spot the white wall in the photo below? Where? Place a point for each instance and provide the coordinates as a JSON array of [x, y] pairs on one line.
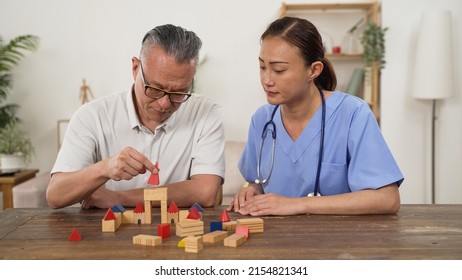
[[406, 122], [95, 40]]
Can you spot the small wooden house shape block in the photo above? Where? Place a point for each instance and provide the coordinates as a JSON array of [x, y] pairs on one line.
[[138, 214], [173, 213], [111, 221]]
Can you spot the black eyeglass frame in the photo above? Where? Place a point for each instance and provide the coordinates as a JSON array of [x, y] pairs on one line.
[[182, 96]]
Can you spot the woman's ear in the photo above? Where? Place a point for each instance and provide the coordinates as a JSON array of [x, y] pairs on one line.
[[316, 69]]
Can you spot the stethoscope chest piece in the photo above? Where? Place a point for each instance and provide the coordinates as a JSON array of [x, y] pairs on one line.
[[312, 194]]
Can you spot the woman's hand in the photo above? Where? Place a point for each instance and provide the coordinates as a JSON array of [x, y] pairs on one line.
[[272, 204]]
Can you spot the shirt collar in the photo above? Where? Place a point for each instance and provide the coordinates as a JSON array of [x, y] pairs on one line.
[[130, 103]]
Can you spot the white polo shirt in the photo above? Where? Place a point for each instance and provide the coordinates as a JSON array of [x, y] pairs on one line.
[[189, 142]]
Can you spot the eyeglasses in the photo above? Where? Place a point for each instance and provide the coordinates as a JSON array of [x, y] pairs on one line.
[[156, 93]]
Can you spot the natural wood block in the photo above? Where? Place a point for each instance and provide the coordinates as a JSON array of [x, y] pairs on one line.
[[230, 226], [148, 212], [193, 244], [234, 240], [189, 227], [148, 240], [215, 236], [111, 225], [182, 215], [254, 224], [155, 194], [127, 217]]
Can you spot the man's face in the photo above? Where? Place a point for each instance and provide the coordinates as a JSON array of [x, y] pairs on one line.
[[163, 72]]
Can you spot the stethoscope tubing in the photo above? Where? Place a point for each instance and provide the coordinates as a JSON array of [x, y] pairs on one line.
[[266, 129]]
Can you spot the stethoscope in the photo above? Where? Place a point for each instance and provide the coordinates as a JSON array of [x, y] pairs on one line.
[[270, 127]]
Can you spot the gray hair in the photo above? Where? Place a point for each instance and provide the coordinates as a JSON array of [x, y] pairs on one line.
[[176, 41]]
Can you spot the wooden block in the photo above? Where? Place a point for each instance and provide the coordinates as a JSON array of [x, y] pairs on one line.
[[163, 230], [188, 232], [140, 218], [193, 244], [191, 227], [127, 217], [163, 211], [108, 225], [224, 216], [243, 230], [173, 217], [190, 223], [215, 236], [111, 225], [234, 240], [109, 215], [198, 206], [182, 243], [229, 226], [118, 208], [183, 214], [118, 219], [250, 221], [75, 235], [216, 225], [155, 194], [254, 224], [148, 240], [147, 212], [153, 179], [194, 214]]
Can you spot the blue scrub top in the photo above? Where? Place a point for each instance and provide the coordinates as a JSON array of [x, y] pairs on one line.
[[356, 156]]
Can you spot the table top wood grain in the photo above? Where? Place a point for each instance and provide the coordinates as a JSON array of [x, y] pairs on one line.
[[416, 232]]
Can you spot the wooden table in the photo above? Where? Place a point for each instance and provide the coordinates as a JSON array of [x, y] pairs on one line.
[[7, 183], [416, 232]]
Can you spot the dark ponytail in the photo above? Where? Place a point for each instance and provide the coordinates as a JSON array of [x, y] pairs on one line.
[[304, 35], [327, 79]]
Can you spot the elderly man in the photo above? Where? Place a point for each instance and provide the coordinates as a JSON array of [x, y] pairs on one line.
[[113, 143]]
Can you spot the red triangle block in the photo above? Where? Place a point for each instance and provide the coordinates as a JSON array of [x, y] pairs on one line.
[[194, 214], [173, 208], [109, 215], [224, 216], [154, 178], [75, 236], [139, 208]]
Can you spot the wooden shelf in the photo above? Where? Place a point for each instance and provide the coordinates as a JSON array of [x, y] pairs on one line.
[[344, 55]]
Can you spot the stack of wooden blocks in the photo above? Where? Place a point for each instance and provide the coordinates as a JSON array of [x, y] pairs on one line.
[[190, 227]]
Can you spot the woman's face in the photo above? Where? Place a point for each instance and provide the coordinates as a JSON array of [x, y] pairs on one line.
[[283, 73]]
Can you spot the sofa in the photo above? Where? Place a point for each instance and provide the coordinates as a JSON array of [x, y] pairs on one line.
[[31, 194]]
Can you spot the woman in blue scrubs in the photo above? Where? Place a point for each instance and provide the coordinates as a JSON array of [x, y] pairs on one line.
[[348, 155]]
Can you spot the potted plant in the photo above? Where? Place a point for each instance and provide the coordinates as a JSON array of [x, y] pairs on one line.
[[373, 42], [14, 142], [15, 147]]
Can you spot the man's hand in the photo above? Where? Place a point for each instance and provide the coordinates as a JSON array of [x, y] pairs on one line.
[[244, 195], [128, 164], [101, 198]]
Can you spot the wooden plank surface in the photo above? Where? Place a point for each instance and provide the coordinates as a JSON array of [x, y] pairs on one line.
[[416, 232]]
